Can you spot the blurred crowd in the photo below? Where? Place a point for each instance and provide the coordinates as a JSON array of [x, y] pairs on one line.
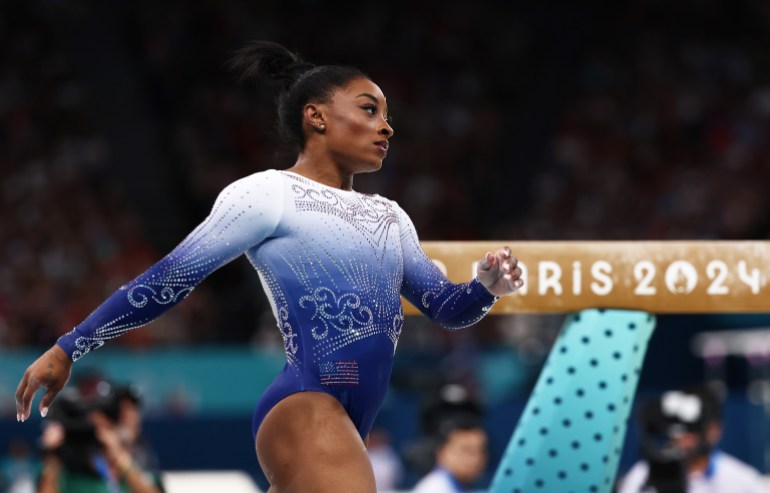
[[650, 122], [666, 137], [66, 231], [69, 234]]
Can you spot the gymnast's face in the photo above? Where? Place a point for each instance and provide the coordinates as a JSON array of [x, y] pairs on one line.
[[356, 130]]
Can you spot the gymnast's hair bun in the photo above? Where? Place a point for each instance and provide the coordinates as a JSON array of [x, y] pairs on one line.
[[266, 60]]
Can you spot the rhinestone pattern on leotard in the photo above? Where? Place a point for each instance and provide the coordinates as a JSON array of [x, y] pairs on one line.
[[333, 263]]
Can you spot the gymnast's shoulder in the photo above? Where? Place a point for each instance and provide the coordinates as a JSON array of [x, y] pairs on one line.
[[261, 180]]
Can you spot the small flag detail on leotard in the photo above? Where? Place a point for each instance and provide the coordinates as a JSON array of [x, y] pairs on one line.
[[342, 372]]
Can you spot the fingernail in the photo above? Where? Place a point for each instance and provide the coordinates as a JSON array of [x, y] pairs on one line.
[[506, 266], [17, 417], [43, 412]]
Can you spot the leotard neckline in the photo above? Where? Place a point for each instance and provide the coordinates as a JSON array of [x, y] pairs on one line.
[[314, 182]]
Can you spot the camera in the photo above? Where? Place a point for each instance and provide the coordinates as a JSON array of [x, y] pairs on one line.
[[675, 431], [73, 411]]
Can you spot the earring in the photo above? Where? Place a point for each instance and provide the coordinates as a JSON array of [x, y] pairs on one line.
[[322, 127]]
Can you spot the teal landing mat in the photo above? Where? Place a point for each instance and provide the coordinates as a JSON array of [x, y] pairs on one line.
[[571, 433]]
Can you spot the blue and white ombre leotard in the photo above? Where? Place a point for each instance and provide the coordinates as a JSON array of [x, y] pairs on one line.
[[333, 264]]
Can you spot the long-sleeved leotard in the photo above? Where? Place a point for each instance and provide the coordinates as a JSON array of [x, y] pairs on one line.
[[333, 264]]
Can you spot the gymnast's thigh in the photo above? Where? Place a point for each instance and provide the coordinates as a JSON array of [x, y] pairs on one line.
[[308, 444]]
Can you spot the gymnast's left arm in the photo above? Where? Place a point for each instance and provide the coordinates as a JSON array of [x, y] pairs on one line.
[[451, 305]]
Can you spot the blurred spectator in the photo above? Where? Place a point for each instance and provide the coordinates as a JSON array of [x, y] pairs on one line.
[[452, 448], [461, 456], [18, 469], [680, 435], [386, 463]]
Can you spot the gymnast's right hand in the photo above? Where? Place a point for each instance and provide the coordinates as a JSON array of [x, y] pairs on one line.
[[51, 370]]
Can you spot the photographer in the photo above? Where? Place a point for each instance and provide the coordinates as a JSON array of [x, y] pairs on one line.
[[680, 433], [88, 446]]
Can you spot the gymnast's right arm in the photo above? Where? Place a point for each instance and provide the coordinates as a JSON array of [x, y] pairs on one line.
[[245, 214]]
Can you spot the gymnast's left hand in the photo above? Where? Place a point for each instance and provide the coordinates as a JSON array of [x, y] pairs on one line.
[[500, 273]]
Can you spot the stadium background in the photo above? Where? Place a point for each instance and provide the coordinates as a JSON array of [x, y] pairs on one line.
[[514, 120]]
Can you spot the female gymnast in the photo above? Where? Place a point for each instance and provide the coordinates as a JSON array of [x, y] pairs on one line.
[[333, 263]]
